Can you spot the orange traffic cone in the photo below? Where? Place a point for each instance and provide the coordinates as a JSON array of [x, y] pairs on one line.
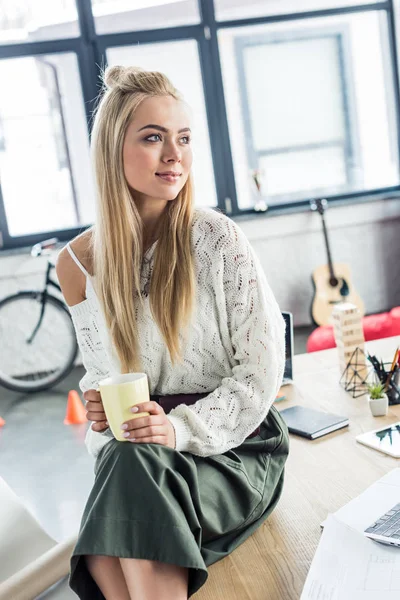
[[2, 422], [76, 412]]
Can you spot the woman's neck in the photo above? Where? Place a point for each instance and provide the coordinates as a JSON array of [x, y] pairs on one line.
[[151, 231], [151, 212]]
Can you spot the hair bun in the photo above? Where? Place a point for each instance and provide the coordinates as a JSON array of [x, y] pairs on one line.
[[125, 79], [112, 76]]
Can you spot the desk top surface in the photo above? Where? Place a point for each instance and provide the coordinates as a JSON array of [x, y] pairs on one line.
[[321, 476]]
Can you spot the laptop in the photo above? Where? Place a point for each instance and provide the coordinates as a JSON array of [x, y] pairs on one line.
[[288, 373], [387, 528]]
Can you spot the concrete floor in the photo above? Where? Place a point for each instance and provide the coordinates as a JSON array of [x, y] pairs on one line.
[[46, 463]]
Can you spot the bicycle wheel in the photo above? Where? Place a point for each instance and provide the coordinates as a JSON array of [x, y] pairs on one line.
[[30, 360]]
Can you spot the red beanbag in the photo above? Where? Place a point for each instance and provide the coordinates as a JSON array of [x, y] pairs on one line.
[[375, 327]]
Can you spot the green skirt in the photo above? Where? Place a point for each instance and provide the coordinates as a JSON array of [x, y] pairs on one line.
[[151, 502]]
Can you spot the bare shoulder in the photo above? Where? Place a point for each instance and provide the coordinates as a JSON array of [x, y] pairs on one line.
[[71, 278], [81, 245]]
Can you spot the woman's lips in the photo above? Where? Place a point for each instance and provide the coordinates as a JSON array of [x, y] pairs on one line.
[[168, 178]]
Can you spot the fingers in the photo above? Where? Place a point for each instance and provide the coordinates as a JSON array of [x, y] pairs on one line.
[[96, 416], [147, 434], [145, 428], [152, 429], [151, 407], [162, 440], [95, 407], [93, 402], [92, 396], [95, 411], [143, 423], [100, 426]]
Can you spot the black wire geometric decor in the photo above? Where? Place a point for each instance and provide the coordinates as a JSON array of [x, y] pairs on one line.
[[356, 374]]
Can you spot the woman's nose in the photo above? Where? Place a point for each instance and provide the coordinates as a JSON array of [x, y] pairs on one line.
[[172, 152]]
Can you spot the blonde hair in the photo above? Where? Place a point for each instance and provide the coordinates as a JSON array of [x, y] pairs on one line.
[[118, 232]]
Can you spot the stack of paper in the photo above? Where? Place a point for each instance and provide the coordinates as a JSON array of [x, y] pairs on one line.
[[349, 566]]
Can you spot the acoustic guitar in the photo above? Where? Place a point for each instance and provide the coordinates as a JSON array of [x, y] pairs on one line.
[[332, 282]]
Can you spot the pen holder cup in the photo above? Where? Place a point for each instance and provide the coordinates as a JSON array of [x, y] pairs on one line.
[[393, 391]]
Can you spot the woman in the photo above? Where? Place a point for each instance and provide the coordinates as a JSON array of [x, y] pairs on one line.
[[160, 287]]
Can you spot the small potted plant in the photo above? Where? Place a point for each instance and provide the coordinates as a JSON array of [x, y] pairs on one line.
[[378, 400]]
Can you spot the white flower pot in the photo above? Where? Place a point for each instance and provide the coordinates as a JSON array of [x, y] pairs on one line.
[[379, 406]]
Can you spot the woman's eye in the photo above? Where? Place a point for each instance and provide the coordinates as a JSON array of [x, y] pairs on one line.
[[157, 135], [152, 136]]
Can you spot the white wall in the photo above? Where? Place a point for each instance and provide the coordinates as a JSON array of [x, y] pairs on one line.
[[365, 235]]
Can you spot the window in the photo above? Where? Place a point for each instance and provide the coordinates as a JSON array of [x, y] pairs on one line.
[[291, 101], [180, 62], [125, 15], [237, 9], [37, 20], [310, 107], [44, 154]]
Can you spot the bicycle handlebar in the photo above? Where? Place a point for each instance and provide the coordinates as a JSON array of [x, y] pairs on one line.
[[41, 247]]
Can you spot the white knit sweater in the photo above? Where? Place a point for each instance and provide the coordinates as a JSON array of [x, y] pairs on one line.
[[235, 346]]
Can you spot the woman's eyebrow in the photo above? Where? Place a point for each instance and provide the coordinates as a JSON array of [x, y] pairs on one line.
[[160, 128]]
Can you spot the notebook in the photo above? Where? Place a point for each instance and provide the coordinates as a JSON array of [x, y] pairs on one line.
[[311, 423]]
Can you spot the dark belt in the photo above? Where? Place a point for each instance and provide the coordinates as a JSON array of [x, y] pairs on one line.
[[170, 402]]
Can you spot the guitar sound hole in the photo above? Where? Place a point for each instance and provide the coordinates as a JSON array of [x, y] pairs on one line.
[[344, 290]]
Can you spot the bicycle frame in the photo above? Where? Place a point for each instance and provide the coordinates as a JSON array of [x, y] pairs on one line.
[[48, 282]]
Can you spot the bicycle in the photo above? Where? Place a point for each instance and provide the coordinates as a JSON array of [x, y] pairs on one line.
[[38, 345]]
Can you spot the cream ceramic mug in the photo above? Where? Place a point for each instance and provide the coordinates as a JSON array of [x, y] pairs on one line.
[[118, 394]]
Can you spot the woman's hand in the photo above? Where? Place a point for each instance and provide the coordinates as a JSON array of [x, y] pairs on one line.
[[95, 411], [155, 428]]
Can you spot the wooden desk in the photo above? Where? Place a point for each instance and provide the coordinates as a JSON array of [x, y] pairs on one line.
[[321, 476]]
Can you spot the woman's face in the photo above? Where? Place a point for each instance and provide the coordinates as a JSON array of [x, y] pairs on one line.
[[158, 141]]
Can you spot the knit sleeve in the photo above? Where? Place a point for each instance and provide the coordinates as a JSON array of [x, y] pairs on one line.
[[94, 361], [223, 419]]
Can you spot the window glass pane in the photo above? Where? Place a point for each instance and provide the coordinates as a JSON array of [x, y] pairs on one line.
[[317, 114], [310, 171], [125, 15], [180, 62], [310, 90], [34, 20], [237, 9], [44, 149]]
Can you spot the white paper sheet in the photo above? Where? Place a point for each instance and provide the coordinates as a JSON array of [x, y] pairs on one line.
[[377, 499], [30, 560], [380, 497], [349, 566]]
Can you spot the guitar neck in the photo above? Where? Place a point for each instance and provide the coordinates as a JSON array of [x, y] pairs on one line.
[[328, 250]]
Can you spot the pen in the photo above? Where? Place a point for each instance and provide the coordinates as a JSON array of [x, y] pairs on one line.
[[392, 367], [380, 371]]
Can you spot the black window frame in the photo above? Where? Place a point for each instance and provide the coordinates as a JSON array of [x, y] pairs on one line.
[[90, 49]]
